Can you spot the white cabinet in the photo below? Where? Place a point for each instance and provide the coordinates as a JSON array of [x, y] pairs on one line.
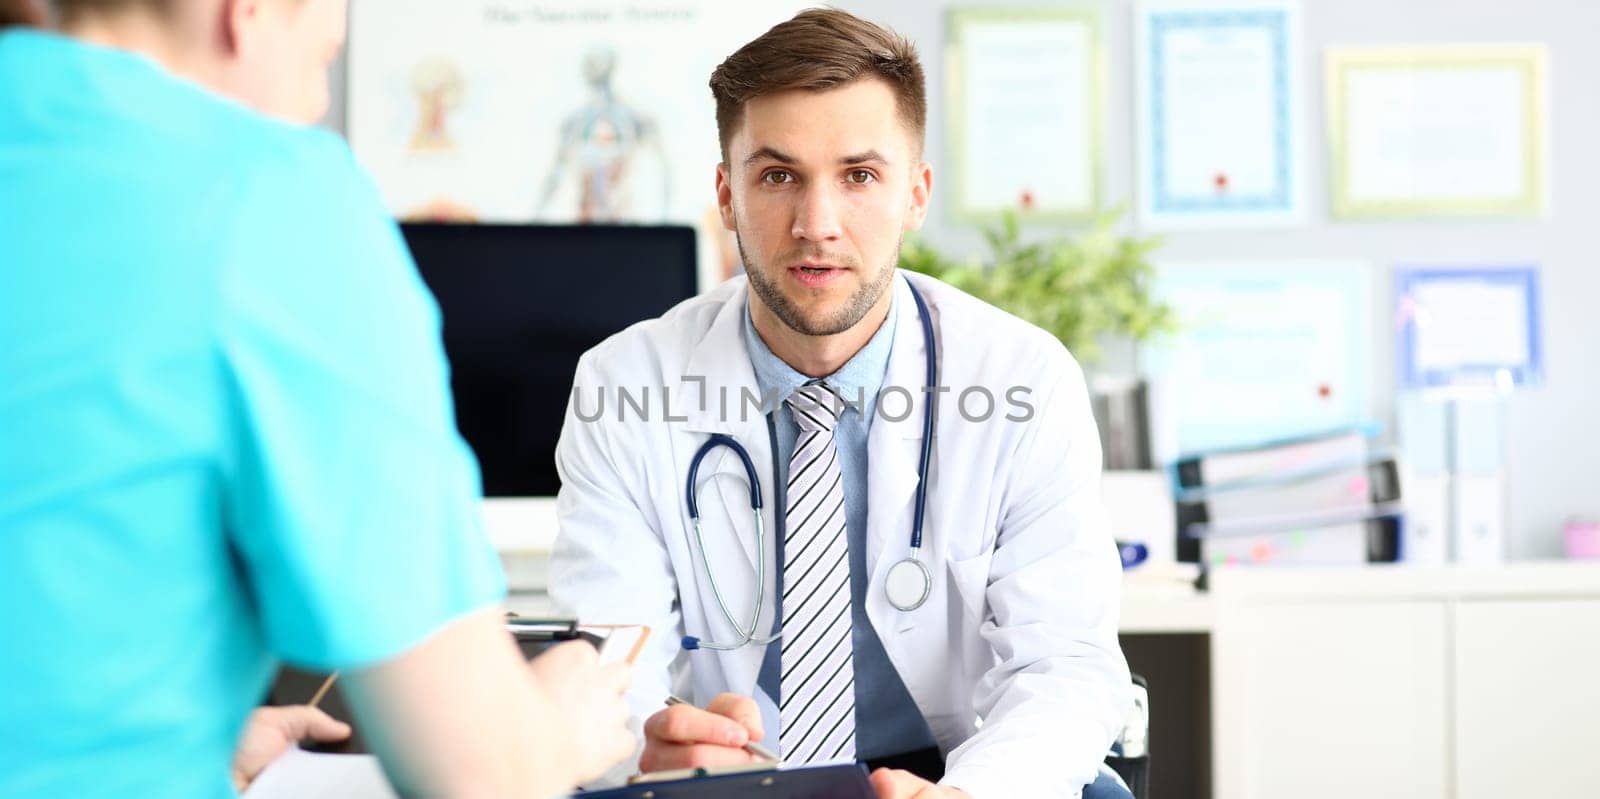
[[1338, 698], [1425, 683], [1527, 698]]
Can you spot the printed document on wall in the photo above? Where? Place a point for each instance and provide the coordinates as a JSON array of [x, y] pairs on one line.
[[1219, 110], [1442, 130], [1024, 98], [1266, 350]]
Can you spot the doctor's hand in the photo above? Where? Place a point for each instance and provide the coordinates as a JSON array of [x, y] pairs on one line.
[[684, 736], [590, 710], [270, 731], [896, 784]]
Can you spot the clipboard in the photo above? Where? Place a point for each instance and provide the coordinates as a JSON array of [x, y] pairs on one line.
[[616, 642], [836, 781]]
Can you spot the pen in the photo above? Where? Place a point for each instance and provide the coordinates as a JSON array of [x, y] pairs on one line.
[[749, 746], [323, 691]]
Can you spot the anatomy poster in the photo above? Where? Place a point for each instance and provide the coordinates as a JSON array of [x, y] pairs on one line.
[[557, 112]]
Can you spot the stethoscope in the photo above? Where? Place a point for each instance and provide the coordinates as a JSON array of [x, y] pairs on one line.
[[908, 582]]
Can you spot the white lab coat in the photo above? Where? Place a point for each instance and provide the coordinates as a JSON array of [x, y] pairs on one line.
[[1020, 629]]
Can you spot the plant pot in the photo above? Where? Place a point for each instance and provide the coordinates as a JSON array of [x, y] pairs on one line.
[[1122, 415]]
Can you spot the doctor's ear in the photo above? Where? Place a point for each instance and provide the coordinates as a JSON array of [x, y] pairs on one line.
[[725, 196], [921, 191]]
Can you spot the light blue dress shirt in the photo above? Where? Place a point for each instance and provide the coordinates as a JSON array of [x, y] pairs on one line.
[[887, 719], [226, 435]]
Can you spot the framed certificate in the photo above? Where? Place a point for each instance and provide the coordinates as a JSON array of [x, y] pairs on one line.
[[1025, 91], [1219, 113], [1266, 349], [1437, 131], [1468, 328]]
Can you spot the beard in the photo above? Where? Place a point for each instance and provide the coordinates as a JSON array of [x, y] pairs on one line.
[[853, 310]]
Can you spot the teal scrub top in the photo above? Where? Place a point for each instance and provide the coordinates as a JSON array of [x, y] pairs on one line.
[[226, 437]]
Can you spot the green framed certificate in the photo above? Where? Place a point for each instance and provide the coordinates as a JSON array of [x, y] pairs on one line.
[[1025, 92], [1437, 131]]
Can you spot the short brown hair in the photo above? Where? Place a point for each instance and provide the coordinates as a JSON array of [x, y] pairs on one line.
[[21, 12], [820, 49], [73, 12]]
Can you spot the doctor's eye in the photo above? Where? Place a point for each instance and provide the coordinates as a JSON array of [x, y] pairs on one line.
[[777, 177]]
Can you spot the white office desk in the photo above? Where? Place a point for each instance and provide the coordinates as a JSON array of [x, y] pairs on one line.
[[1161, 598], [1146, 609], [1438, 682], [1390, 680]]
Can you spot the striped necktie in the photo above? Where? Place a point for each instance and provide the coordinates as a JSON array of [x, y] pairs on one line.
[[816, 712]]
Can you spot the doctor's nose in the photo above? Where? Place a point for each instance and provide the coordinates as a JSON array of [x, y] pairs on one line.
[[816, 218]]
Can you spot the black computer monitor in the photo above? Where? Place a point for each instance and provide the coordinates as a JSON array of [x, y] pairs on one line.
[[520, 304]]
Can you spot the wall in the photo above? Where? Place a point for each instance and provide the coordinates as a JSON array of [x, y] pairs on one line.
[[1554, 449]]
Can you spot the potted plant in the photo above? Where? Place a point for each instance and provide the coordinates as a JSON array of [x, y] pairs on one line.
[[1085, 290]]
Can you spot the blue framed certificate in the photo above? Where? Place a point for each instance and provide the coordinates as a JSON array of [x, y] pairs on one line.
[[1219, 114], [1468, 328]]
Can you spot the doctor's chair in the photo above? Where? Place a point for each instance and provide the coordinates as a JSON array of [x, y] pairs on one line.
[[1130, 753]]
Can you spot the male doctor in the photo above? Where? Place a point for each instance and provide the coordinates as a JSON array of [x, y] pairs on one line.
[[821, 123]]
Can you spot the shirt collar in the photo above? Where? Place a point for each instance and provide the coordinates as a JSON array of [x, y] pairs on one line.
[[859, 379]]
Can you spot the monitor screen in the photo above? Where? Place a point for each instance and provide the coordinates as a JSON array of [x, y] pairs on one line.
[[520, 304]]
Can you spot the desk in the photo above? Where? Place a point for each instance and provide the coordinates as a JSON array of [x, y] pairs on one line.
[[1464, 682], [1166, 635], [1146, 610], [1448, 682], [1165, 629], [1170, 612], [1429, 682]]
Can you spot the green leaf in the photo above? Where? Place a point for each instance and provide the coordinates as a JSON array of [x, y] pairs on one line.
[[1079, 290]]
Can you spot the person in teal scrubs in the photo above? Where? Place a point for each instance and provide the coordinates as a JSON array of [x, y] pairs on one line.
[[226, 437]]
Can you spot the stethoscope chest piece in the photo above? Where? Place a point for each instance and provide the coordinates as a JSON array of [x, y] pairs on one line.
[[908, 584]]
